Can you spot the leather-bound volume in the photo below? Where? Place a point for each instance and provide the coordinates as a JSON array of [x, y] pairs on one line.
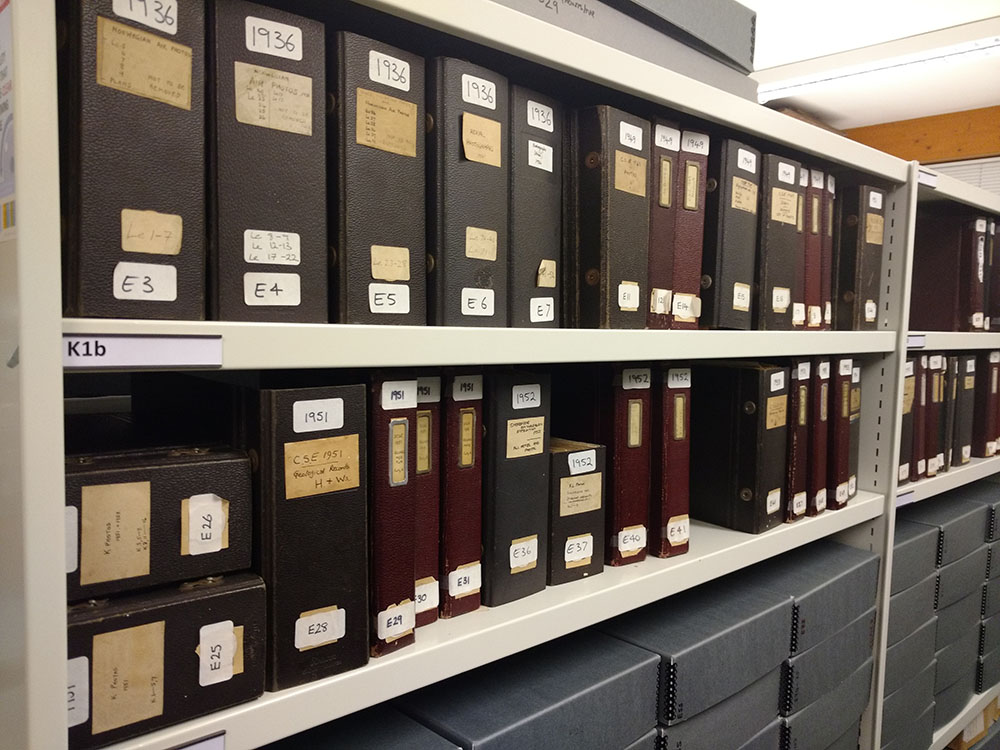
[[267, 165], [993, 288], [799, 285], [175, 515], [858, 261], [146, 661], [830, 206], [376, 174], [820, 392], [608, 235], [427, 500], [934, 290], [311, 489], [515, 485], [391, 512], [468, 169], [738, 445], [965, 388], [689, 229], [461, 572], [813, 230], [796, 489], [663, 208], [934, 414], [951, 378], [839, 457], [730, 251], [132, 196], [906, 430], [918, 456], [576, 510], [984, 421], [972, 269], [670, 461], [779, 241], [855, 430], [536, 128]]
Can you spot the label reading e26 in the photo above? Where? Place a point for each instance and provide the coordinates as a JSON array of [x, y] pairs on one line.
[[273, 38], [206, 523], [388, 70]]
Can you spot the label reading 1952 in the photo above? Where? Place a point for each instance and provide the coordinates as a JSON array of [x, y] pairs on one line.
[[273, 38], [479, 91], [157, 14], [388, 70], [526, 396], [540, 116], [581, 462], [318, 414], [638, 378]]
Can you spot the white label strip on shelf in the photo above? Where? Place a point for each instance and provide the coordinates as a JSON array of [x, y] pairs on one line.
[[905, 498], [83, 352], [215, 742], [927, 178], [916, 341]]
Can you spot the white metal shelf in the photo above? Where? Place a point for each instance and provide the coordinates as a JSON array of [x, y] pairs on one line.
[[502, 28], [954, 727], [935, 186], [273, 345], [951, 341], [977, 468], [449, 647]]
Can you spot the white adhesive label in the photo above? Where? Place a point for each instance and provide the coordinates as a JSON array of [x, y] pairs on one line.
[[668, 138], [746, 161], [216, 651], [389, 298], [940, 460], [479, 91], [875, 200], [146, 282], [908, 368], [994, 357], [399, 394], [659, 301], [852, 486], [467, 388], [966, 452], [980, 225], [271, 289], [694, 143], [628, 296], [542, 309], [843, 494], [578, 548], [679, 530], [428, 390], [539, 155], [970, 366], [831, 183], [540, 116], [824, 370], [273, 38], [932, 465], [815, 316], [273, 248], [582, 462], [921, 466], [871, 311], [847, 365], [465, 580], [777, 381], [816, 179], [526, 396], [72, 538], [804, 370], [157, 14], [798, 313], [936, 361], [799, 503], [396, 621], [320, 628], [477, 302], [904, 472], [388, 70], [686, 306], [638, 378], [855, 374], [206, 524], [77, 691], [781, 299], [773, 501], [318, 414], [426, 596], [632, 539], [786, 173], [630, 136], [803, 177], [524, 553], [821, 499], [828, 313], [741, 297], [679, 377]]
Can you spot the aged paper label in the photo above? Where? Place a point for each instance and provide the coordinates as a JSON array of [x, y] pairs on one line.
[[525, 437], [803, 405], [855, 401], [467, 437], [315, 467], [666, 182], [546, 278], [579, 494], [143, 64], [744, 195], [480, 243], [523, 554], [481, 139], [777, 408], [114, 531], [151, 232], [386, 123], [275, 99], [692, 174], [398, 451], [784, 206], [634, 423], [390, 263], [814, 215], [800, 213], [127, 677], [680, 421], [423, 442], [909, 390], [874, 226], [204, 524], [630, 173]]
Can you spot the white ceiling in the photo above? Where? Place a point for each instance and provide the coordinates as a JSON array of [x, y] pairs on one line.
[[832, 47]]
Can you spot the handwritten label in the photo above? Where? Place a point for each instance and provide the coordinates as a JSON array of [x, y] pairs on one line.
[[114, 531], [668, 138], [628, 296], [465, 579], [816, 179], [389, 298], [144, 282], [686, 306], [630, 173], [207, 517], [318, 627], [580, 494], [525, 437], [827, 312], [127, 684], [467, 388], [578, 550], [426, 595], [781, 298], [541, 309], [744, 195], [874, 228], [540, 116], [216, 652], [271, 289], [390, 263], [694, 143], [386, 123], [581, 462], [428, 390], [273, 248], [820, 500], [157, 14], [316, 415], [679, 377], [799, 503], [636, 379], [526, 396], [803, 370], [842, 494], [477, 302], [480, 243], [482, 139], [630, 135], [137, 62], [678, 530], [631, 540], [786, 173], [746, 160], [388, 70], [659, 301], [875, 200], [274, 99], [871, 311], [399, 394], [523, 554], [151, 232], [773, 503], [316, 467], [741, 297], [798, 313], [479, 91], [272, 38], [77, 691], [784, 206], [815, 316], [539, 156], [545, 278]]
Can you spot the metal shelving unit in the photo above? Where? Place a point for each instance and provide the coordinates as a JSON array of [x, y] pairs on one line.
[[954, 727], [977, 468], [947, 341]]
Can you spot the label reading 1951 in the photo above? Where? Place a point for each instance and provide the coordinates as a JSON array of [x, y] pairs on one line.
[[157, 14], [479, 91], [273, 38], [318, 414], [78, 691], [388, 70]]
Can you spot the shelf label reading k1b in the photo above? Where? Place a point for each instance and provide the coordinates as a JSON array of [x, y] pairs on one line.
[[81, 351]]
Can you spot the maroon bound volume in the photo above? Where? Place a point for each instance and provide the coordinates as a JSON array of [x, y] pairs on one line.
[[796, 496], [826, 252], [689, 229], [933, 414], [664, 197], [839, 468], [813, 230], [669, 527], [918, 459], [427, 496], [821, 388], [984, 419]]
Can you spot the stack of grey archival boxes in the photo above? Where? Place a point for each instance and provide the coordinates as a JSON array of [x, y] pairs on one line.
[[961, 558], [987, 493]]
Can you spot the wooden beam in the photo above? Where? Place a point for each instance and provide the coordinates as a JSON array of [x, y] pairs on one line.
[[972, 134]]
